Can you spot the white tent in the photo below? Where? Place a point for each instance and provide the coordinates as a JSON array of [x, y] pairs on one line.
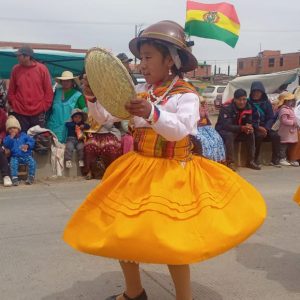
[[273, 83]]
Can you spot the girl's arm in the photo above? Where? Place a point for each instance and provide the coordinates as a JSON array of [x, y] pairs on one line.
[[176, 126]]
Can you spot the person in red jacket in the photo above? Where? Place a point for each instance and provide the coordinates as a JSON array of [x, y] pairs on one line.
[[30, 92]]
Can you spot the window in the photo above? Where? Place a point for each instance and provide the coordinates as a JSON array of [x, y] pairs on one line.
[[221, 89], [281, 61], [209, 89], [241, 65], [271, 62]]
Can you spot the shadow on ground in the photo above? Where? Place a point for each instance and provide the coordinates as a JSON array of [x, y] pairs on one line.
[[110, 283], [280, 265]]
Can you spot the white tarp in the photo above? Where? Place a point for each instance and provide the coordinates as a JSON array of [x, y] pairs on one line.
[[272, 82]]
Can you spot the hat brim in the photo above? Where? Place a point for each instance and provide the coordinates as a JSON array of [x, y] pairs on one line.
[[109, 81], [75, 79], [84, 115], [188, 60]]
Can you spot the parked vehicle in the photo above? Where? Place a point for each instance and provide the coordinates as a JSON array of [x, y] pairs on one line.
[[211, 92]]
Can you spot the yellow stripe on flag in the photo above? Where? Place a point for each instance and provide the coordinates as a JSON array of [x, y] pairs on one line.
[[223, 22]]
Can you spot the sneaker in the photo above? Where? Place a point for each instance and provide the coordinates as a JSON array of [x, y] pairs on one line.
[[284, 162], [15, 181], [257, 162], [252, 165], [30, 180], [275, 164], [7, 181], [294, 163], [81, 163], [68, 164]]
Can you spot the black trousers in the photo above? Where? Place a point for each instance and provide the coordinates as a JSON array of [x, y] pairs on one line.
[[4, 168], [272, 137], [27, 122], [230, 138]]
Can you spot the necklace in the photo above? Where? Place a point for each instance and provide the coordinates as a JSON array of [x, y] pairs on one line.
[[159, 99]]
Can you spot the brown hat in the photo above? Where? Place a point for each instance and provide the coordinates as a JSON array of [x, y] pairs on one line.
[[169, 33]]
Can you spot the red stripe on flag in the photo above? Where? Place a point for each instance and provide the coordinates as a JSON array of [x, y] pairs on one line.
[[223, 7]]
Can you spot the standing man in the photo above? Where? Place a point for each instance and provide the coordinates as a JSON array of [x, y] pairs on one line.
[[263, 117], [126, 61], [30, 92], [235, 125]]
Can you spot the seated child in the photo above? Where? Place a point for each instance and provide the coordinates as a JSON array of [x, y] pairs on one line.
[[75, 137], [4, 168], [20, 145]]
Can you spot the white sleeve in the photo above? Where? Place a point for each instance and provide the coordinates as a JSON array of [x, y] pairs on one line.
[[100, 114], [174, 126]]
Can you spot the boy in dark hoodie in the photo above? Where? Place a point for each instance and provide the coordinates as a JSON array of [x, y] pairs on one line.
[[263, 119]]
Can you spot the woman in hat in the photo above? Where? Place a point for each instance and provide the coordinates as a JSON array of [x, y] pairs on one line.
[[159, 203], [66, 98], [212, 146], [287, 127]]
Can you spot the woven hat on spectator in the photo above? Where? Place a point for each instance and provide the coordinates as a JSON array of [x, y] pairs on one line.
[[12, 122], [285, 96], [168, 33], [67, 75], [110, 81], [77, 111]]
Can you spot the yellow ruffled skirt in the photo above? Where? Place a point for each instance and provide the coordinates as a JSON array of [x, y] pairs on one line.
[[297, 196], [157, 210]]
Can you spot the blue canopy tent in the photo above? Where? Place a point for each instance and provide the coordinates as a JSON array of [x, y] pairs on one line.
[[56, 61]]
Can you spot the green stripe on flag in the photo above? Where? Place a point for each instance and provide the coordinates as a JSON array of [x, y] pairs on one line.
[[211, 31]]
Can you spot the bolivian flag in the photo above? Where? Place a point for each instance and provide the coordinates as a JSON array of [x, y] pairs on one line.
[[213, 21]]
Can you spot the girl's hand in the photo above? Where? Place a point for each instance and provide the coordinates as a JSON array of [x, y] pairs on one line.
[[139, 108]]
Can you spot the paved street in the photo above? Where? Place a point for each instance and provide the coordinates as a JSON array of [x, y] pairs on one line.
[[36, 264]]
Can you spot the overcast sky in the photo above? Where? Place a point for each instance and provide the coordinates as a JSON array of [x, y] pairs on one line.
[[111, 24]]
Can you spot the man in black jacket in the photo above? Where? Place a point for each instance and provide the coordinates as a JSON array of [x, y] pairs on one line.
[[263, 118], [235, 125]]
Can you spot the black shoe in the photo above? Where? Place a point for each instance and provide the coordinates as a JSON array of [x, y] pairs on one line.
[[257, 162], [142, 296], [253, 165], [30, 180], [275, 164], [15, 182]]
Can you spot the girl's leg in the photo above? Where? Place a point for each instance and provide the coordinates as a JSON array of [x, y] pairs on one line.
[[182, 281], [131, 272]]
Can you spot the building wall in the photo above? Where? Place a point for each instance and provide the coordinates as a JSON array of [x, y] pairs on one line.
[[60, 47], [268, 62], [201, 71]]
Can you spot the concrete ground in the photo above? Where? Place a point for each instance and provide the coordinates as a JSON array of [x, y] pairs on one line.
[[36, 264]]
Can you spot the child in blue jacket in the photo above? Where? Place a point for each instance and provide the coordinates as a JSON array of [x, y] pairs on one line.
[[20, 145]]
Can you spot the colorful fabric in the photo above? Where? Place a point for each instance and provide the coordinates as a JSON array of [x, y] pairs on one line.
[[61, 112], [211, 143], [180, 87], [155, 210], [100, 150], [148, 143], [3, 119], [297, 196], [24, 160], [30, 91], [213, 21]]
